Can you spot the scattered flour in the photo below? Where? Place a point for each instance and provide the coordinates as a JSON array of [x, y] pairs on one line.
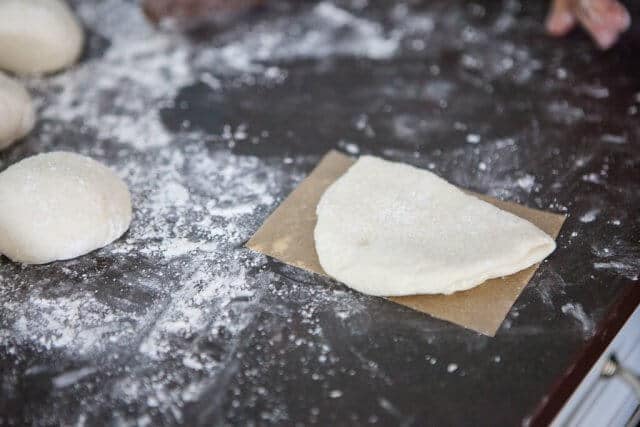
[[335, 394], [324, 31], [589, 216], [473, 138], [178, 288], [593, 178], [159, 320], [527, 182], [563, 112], [630, 269], [613, 139], [594, 91], [72, 377], [576, 311], [620, 258], [141, 67]]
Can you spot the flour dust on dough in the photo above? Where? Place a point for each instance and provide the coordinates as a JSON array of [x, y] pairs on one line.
[[390, 229], [38, 36], [58, 206], [17, 115]]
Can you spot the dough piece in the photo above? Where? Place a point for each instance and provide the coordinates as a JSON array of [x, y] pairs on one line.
[[17, 116], [58, 206], [390, 229], [38, 36]]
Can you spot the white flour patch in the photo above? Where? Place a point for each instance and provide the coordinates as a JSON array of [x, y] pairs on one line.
[[589, 216], [576, 311], [69, 378], [321, 32], [563, 112], [619, 258], [594, 91], [77, 322], [631, 269], [472, 138], [142, 67], [173, 248], [593, 178], [613, 139], [171, 194], [193, 309], [527, 182]]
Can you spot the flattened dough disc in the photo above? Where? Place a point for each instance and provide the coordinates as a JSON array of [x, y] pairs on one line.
[[389, 229]]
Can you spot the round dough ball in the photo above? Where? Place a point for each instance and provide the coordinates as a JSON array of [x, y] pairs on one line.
[[17, 116], [59, 206], [38, 36]]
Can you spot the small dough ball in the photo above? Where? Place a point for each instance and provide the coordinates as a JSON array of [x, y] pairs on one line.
[[59, 206], [17, 116], [38, 36]]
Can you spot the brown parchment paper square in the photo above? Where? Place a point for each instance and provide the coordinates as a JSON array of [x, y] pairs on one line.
[[287, 235]]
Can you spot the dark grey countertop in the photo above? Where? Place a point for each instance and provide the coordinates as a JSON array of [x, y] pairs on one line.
[[177, 323]]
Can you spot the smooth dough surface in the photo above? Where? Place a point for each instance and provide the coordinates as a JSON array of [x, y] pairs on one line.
[[38, 36], [17, 116], [390, 229], [58, 206]]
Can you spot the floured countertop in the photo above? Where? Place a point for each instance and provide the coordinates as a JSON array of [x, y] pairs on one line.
[[178, 323]]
